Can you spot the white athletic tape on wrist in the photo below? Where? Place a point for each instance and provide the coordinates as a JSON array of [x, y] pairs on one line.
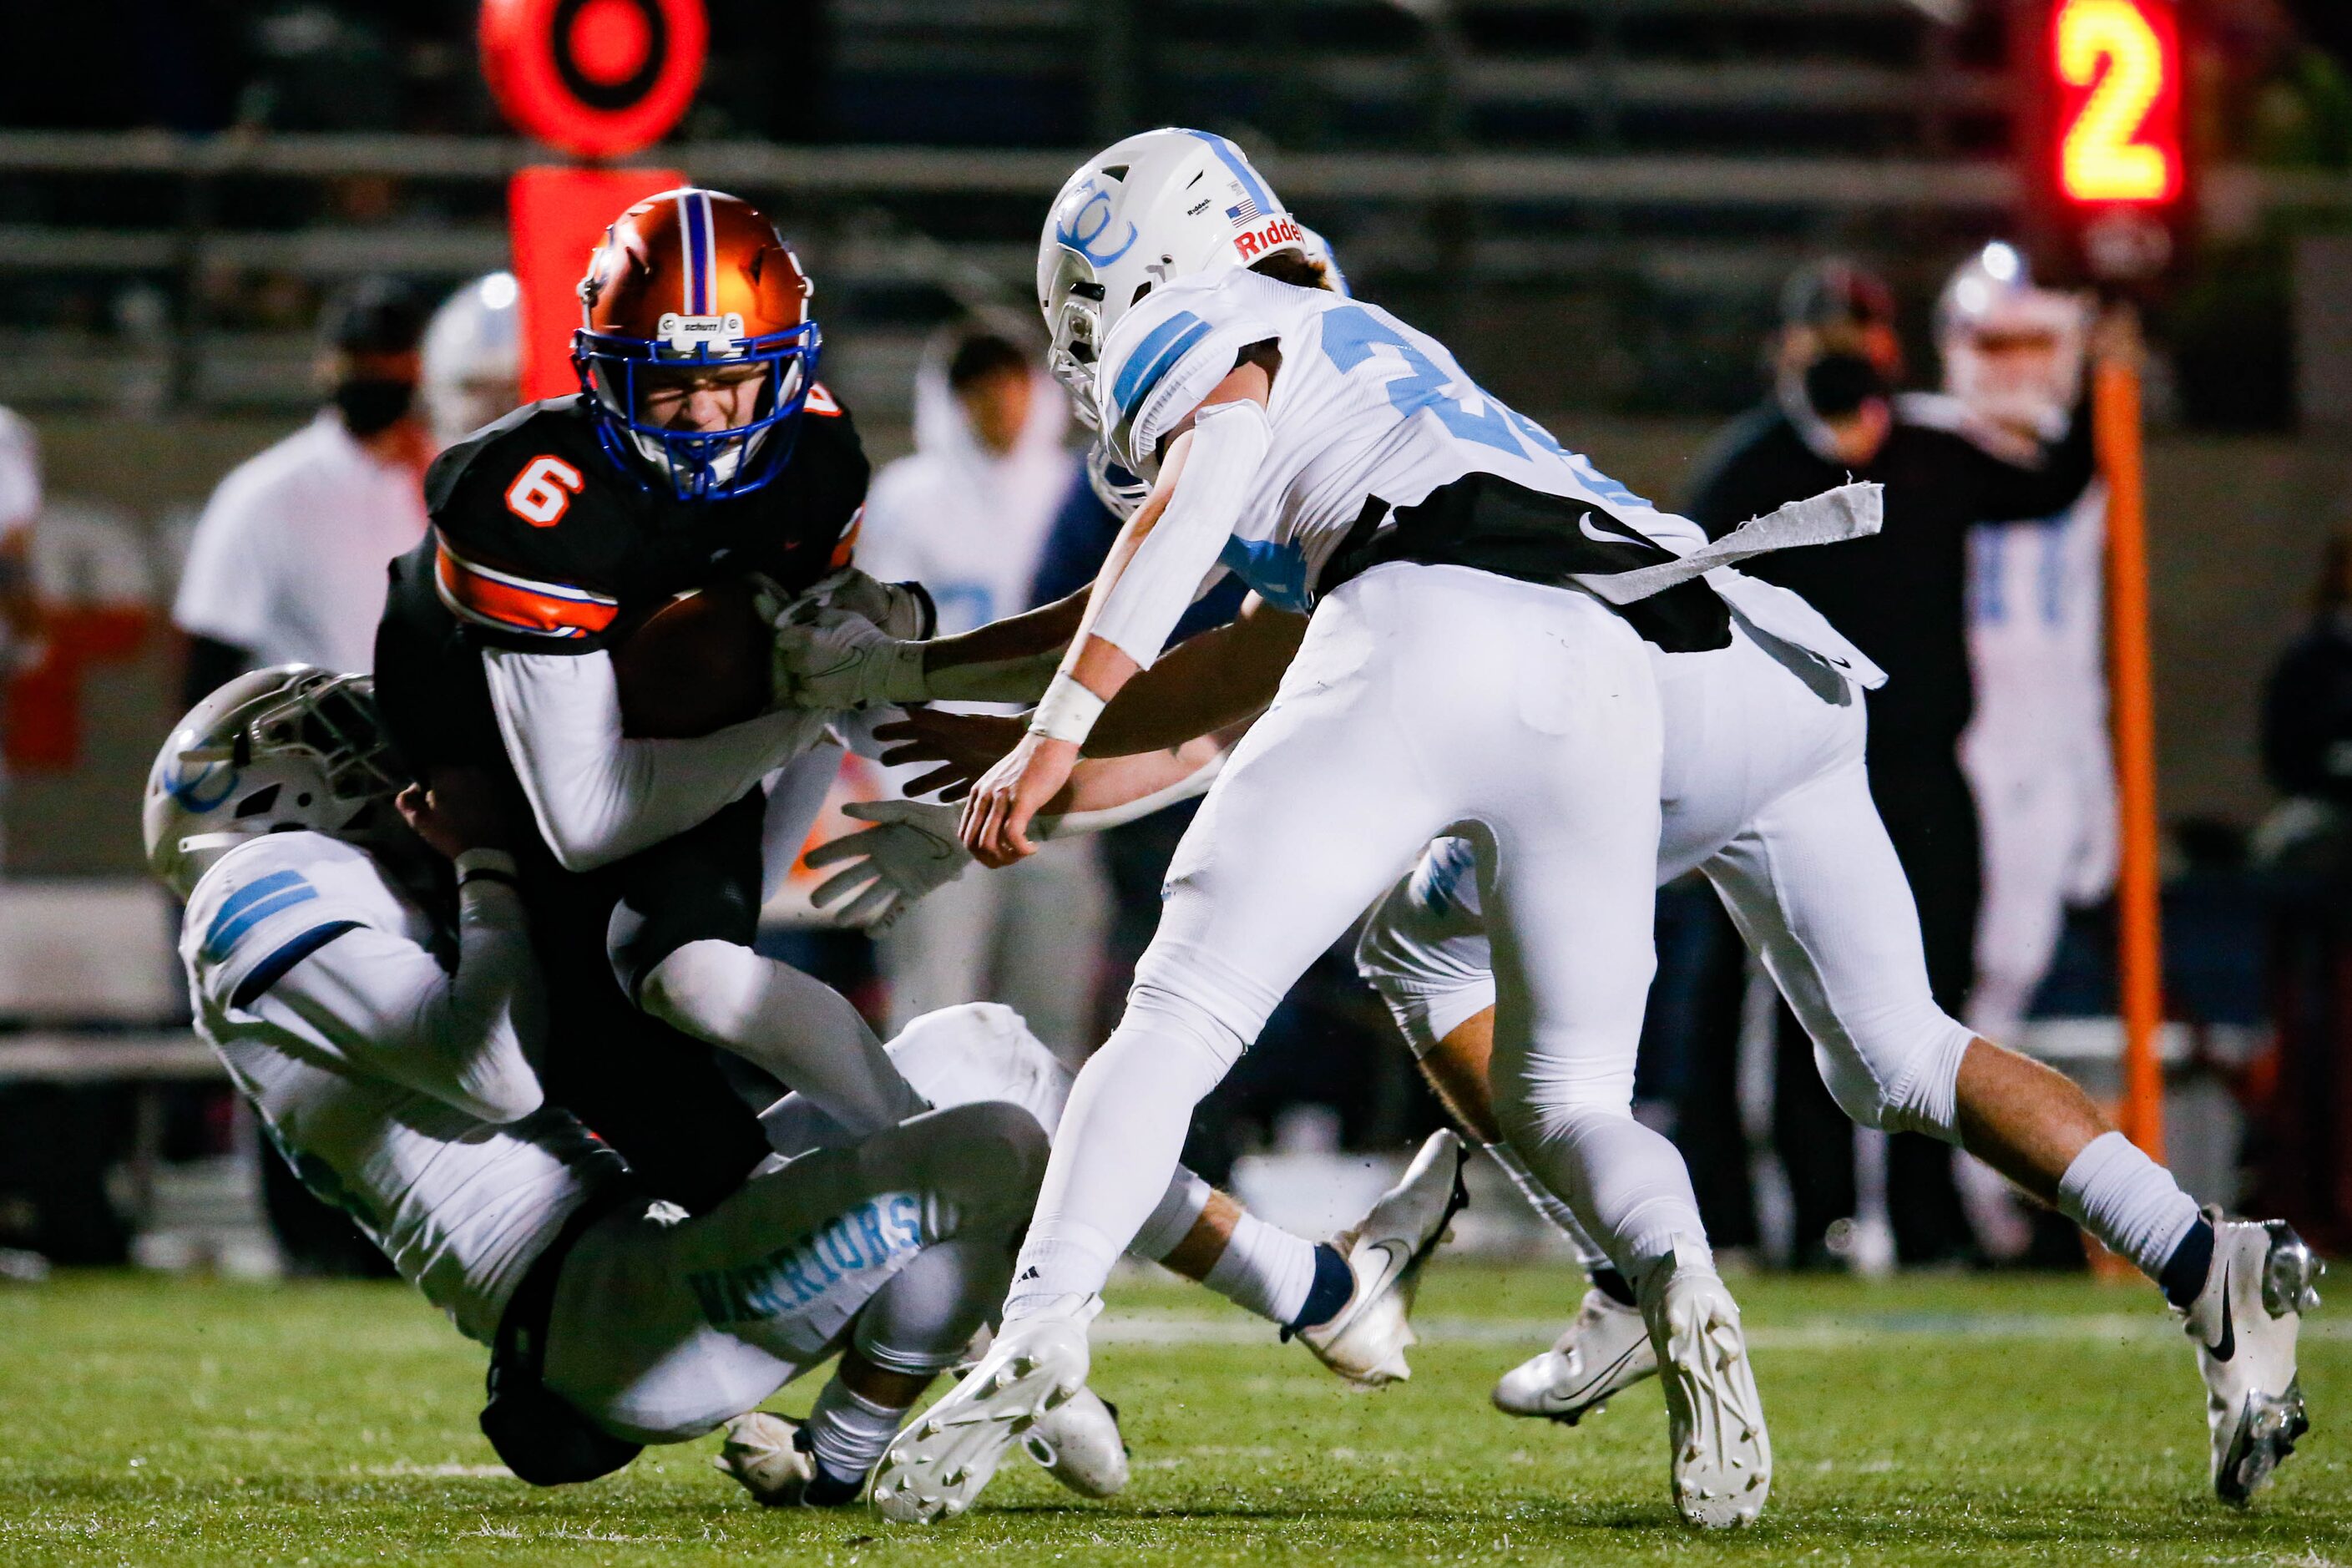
[[1066, 713]]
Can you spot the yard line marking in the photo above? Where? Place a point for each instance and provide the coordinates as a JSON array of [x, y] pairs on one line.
[[1160, 1328]]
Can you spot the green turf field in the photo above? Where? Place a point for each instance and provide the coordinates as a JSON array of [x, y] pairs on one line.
[[1928, 1421]]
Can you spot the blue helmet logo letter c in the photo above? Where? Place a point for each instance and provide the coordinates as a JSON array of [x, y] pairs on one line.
[[1086, 226]]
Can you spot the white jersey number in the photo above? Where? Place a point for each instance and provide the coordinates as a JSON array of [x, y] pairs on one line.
[[542, 491]]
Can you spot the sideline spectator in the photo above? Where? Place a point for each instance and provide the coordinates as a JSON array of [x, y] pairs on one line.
[[967, 515], [287, 561]]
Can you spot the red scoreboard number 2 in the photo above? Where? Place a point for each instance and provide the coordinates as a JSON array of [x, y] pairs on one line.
[[2116, 67]]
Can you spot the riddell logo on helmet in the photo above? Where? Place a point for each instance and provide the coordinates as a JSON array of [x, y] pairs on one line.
[[693, 331], [1275, 231]]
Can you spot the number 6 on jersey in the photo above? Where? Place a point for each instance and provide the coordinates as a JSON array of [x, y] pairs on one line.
[[542, 491]]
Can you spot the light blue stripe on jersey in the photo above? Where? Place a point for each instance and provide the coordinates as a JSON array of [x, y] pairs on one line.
[[1275, 572], [1231, 156], [1153, 358], [250, 905]]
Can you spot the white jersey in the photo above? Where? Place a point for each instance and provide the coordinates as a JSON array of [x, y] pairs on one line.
[[1364, 408], [396, 1096], [288, 559], [2035, 627]]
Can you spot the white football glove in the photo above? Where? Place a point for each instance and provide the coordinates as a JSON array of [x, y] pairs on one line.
[[911, 850]]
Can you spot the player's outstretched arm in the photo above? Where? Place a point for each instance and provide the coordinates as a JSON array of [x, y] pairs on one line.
[[1215, 681], [467, 1037], [600, 795], [1157, 565]]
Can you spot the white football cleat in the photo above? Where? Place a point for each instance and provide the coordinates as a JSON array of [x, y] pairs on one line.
[[1722, 1457], [1079, 1444], [2245, 1322], [1605, 1351], [935, 1467], [761, 1453], [1365, 1342]]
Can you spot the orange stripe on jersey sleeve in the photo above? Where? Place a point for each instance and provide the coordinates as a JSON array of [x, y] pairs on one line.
[[488, 597], [844, 551]]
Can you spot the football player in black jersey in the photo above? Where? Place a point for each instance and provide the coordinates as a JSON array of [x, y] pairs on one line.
[[700, 447]]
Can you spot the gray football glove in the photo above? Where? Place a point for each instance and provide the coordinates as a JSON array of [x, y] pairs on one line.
[[911, 850]]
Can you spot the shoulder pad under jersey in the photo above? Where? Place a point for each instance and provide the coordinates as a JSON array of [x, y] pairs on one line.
[[264, 907], [531, 515], [1166, 355]]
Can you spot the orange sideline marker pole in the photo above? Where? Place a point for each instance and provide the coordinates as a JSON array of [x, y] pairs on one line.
[[2139, 958]]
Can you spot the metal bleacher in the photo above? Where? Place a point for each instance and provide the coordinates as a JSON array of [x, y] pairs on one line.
[[1641, 171]]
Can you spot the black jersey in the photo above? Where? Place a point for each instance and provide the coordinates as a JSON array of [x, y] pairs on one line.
[[542, 543]]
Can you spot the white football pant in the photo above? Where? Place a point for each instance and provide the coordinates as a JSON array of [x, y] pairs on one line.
[[1425, 701]]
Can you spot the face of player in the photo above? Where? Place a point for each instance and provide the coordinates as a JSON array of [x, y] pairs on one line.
[[998, 407], [702, 399], [2015, 364]]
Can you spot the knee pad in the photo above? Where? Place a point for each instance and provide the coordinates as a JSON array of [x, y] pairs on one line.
[[705, 988], [980, 1051], [1902, 1075], [1157, 1016], [1207, 1000]]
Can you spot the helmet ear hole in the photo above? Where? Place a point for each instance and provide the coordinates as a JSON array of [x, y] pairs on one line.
[[258, 802], [1115, 170], [1141, 291]]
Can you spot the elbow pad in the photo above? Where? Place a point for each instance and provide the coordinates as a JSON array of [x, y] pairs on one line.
[[1161, 579]]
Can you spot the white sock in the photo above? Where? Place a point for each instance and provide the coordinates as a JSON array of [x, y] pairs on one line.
[[1549, 1203], [847, 1431], [1265, 1270], [2126, 1200]]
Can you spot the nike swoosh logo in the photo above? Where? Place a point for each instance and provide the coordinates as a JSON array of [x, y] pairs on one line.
[[2226, 1346], [1578, 1395], [1584, 524], [1396, 1256]]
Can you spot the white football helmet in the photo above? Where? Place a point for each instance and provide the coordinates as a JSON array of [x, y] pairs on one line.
[[2013, 352], [472, 355], [1140, 214], [288, 747], [1122, 492]]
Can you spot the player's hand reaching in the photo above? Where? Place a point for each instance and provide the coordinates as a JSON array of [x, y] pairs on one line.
[[964, 745], [459, 810], [910, 851], [997, 814]]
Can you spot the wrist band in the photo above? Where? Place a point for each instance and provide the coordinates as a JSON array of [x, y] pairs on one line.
[[486, 866], [1067, 711]]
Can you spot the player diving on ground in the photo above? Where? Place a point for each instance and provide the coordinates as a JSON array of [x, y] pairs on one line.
[[386, 1027]]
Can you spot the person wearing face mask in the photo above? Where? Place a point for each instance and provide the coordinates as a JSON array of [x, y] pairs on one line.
[[287, 564], [1834, 414], [967, 514]]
